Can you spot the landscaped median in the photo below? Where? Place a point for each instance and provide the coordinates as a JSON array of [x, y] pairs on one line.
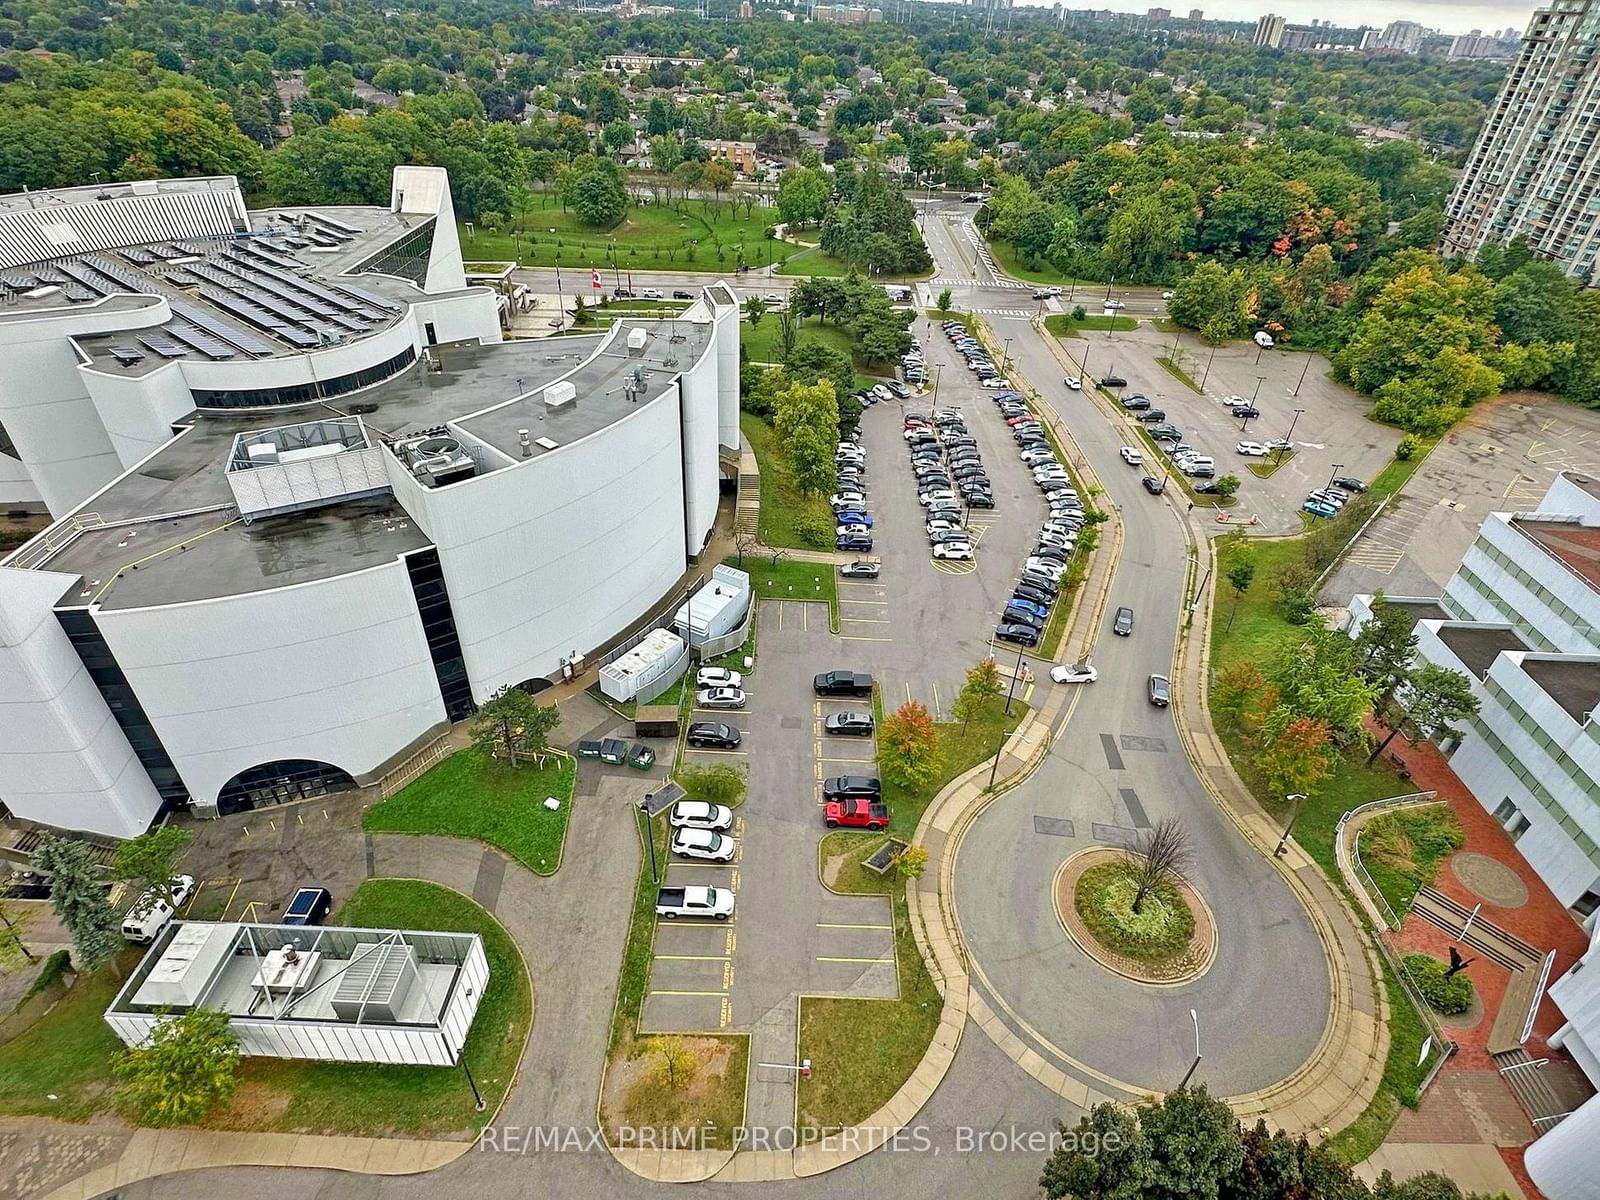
[[469, 795], [863, 1051]]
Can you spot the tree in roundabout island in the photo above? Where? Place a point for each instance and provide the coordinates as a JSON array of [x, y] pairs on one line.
[[1133, 906], [1189, 1146]]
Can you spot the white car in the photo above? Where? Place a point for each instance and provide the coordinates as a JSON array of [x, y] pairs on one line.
[[942, 527], [852, 529], [1235, 401], [1074, 673], [697, 814], [1115, 304], [954, 551], [995, 383], [650, 294], [713, 677], [847, 499], [1132, 456], [719, 697], [1038, 457], [1252, 449], [882, 392], [1074, 383], [704, 844], [1046, 567], [1280, 444], [942, 499], [773, 298], [1168, 295]]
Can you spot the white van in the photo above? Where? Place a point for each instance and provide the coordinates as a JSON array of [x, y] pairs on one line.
[[142, 930], [1264, 340]]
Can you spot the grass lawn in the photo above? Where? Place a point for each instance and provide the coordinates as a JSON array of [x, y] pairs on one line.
[[784, 508], [959, 751], [692, 235], [862, 1051], [68, 1052], [470, 796], [812, 261], [792, 579], [1066, 325], [715, 1103], [1008, 259], [761, 344], [377, 1100]]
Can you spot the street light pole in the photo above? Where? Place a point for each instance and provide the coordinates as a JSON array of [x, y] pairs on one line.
[[937, 367], [1297, 799], [649, 838], [1337, 467], [1015, 675], [1207, 373], [1189, 1074], [1288, 437], [1302, 379], [1005, 356]]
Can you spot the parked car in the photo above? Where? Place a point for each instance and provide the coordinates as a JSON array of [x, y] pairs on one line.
[[1017, 634], [720, 697], [1122, 623], [712, 677], [1074, 673], [682, 294], [698, 814], [1160, 691], [650, 294], [850, 516], [1252, 449], [853, 544], [713, 735], [1136, 403], [1319, 508], [1246, 412], [1051, 570], [1113, 381], [980, 500], [842, 683], [852, 787], [1350, 483], [856, 813], [704, 844], [953, 551], [308, 906], [1153, 416], [850, 723], [860, 569]]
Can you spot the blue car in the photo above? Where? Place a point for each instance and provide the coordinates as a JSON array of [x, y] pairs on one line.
[[1028, 606], [853, 517], [855, 542], [1318, 509]]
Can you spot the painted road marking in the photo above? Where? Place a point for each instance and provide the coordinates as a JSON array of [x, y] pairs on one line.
[[659, 993], [837, 959], [850, 637], [850, 925], [691, 957]]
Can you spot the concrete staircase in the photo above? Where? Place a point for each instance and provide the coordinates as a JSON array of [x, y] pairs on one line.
[[1525, 1077], [747, 510]]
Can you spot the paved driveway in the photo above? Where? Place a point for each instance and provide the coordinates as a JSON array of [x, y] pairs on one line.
[[1117, 767]]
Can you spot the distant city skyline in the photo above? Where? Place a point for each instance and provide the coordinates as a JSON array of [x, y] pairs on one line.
[[1447, 16]]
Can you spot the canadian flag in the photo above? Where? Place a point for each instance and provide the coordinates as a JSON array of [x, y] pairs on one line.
[[594, 279]]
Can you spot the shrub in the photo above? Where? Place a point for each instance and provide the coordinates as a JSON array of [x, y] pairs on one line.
[[1448, 996], [814, 530], [1104, 899], [1408, 447]]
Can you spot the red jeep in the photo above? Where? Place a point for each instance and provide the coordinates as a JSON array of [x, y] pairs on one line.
[[856, 814]]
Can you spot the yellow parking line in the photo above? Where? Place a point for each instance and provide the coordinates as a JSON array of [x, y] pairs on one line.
[[823, 958]]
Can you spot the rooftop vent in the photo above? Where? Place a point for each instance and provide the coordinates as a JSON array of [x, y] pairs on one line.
[[559, 395], [437, 458], [375, 985]]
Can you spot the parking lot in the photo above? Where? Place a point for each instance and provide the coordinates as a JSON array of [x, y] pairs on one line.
[[922, 623], [1331, 434], [1502, 457]]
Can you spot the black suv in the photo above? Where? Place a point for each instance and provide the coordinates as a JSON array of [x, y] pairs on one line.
[[713, 735], [852, 787]]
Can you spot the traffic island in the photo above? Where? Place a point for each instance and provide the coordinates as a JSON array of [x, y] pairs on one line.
[[1171, 939]]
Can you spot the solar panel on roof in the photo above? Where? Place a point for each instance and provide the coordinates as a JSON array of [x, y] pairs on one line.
[[333, 223], [298, 337], [370, 297], [127, 355], [163, 345], [143, 257], [211, 347], [246, 341]]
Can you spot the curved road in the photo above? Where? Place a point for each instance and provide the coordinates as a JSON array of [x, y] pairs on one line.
[[1116, 766]]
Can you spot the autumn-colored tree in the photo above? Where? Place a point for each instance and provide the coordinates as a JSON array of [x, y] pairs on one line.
[[1296, 753], [983, 684], [908, 746], [1234, 693]]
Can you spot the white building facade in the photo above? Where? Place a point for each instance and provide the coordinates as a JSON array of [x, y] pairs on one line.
[[278, 572]]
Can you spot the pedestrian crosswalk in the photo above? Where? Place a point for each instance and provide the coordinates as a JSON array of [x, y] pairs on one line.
[[1006, 312]]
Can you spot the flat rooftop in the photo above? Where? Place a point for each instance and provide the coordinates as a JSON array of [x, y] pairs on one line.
[[1572, 682], [1419, 610], [1477, 646], [144, 556], [1578, 546]]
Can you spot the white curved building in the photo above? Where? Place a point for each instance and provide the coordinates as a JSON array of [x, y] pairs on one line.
[[310, 507]]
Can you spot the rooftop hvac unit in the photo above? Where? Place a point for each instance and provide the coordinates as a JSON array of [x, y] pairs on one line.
[[559, 395], [636, 341], [375, 984]]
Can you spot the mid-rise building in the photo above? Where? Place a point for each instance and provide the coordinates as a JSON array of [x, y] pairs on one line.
[[1197, 14], [1269, 31], [1534, 171], [846, 14], [311, 508], [1159, 14], [1521, 619]]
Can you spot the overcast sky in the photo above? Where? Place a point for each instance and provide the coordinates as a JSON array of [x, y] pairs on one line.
[[1450, 16]]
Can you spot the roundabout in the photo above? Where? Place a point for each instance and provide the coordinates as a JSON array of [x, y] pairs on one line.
[[1172, 940]]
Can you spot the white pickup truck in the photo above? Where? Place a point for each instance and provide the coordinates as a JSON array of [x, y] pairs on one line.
[[713, 902]]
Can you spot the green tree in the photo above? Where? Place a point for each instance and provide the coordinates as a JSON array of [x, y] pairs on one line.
[[1214, 300], [1235, 692], [908, 746], [675, 1063], [1385, 647], [1434, 699], [718, 784], [1241, 574], [78, 898], [803, 195], [1227, 486], [911, 862], [187, 1065], [511, 724], [788, 330], [1185, 1146], [982, 685], [1318, 677], [755, 308], [149, 864], [945, 297], [597, 192]]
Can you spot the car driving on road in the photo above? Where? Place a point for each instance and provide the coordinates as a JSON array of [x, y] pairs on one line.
[[1160, 691], [1122, 623]]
